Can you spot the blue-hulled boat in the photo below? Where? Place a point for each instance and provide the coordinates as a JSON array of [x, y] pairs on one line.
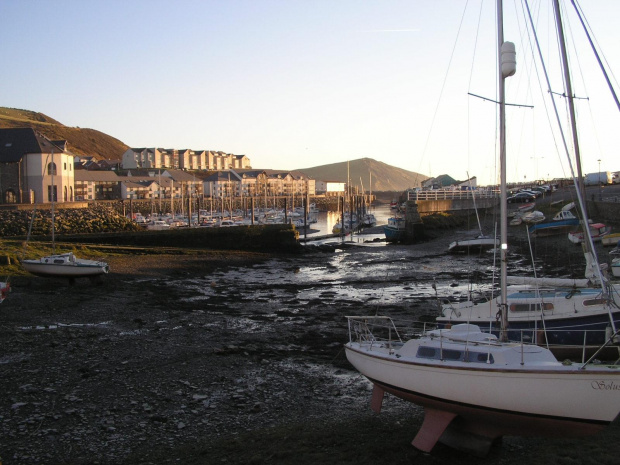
[[561, 223], [395, 229]]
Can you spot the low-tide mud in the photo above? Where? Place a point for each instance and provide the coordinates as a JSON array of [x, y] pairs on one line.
[[228, 358]]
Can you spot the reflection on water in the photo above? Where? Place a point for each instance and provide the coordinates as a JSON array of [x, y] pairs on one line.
[[327, 220]]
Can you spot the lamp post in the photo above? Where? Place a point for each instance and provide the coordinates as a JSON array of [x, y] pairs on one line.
[[600, 182]]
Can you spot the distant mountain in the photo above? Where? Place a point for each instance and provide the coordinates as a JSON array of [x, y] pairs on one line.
[[384, 176], [85, 142]]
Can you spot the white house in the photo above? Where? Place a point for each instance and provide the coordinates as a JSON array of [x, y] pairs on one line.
[[34, 169]]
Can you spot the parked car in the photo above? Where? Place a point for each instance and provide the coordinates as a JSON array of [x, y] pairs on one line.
[[521, 197], [531, 192]]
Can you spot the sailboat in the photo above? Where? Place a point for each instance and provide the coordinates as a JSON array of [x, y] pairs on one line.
[[569, 316], [474, 386], [480, 242], [65, 265]]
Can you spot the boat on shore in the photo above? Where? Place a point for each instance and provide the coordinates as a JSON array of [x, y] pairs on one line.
[[65, 265], [561, 223], [475, 386], [395, 230], [478, 243], [597, 231], [611, 239], [533, 217]]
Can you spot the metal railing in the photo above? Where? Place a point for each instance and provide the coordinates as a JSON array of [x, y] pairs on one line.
[[443, 194]]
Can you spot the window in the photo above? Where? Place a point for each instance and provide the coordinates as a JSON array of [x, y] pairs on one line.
[[531, 307], [451, 354], [9, 196], [51, 189], [591, 302], [51, 169]]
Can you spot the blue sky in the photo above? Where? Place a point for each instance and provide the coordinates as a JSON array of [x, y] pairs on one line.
[[299, 83]]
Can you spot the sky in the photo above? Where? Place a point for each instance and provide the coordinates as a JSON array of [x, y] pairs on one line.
[[300, 83]]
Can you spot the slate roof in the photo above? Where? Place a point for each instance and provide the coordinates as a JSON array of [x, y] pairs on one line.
[[17, 142], [96, 176]]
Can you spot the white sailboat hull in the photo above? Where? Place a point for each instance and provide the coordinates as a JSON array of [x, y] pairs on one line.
[[503, 401], [65, 266]]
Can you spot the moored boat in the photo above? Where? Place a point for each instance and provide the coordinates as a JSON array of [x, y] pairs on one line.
[[474, 244], [533, 217], [561, 222], [395, 230], [65, 265], [597, 231]]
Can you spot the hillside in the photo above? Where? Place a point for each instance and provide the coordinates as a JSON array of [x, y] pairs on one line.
[[86, 142], [384, 177]]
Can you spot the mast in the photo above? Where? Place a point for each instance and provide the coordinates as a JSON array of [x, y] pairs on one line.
[[592, 265], [506, 67], [52, 193], [571, 106]]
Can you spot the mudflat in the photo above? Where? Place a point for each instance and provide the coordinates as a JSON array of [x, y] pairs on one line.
[[228, 357]]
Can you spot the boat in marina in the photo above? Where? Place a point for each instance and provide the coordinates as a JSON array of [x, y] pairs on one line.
[[395, 230], [597, 231], [158, 225], [476, 386], [611, 239], [561, 222], [533, 217]]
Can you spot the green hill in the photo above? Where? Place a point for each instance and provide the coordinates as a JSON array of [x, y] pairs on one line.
[[384, 177], [86, 142]]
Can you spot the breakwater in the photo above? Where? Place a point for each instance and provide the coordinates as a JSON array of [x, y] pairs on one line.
[[102, 224], [261, 238]]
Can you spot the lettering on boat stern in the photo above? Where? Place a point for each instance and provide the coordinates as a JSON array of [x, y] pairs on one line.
[[605, 386]]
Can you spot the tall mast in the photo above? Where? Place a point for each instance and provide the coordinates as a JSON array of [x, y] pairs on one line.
[[571, 103], [506, 67], [52, 199]]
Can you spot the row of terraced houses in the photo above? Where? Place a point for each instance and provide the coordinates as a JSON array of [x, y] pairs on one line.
[[34, 169]]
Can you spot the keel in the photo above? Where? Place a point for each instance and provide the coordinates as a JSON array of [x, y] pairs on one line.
[[434, 425]]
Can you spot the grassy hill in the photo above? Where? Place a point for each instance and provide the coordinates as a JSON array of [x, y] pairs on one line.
[[384, 177], [87, 142]]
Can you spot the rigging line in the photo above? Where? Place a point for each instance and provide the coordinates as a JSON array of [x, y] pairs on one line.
[[531, 33], [471, 73], [542, 303], [443, 86], [554, 106], [611, 88]]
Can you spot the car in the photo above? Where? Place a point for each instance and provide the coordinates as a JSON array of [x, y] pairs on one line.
[[521, 197], [531, 192]]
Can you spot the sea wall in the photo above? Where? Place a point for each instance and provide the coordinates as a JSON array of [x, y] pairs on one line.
[[264, 238], [606, 212], [426, 207]]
